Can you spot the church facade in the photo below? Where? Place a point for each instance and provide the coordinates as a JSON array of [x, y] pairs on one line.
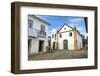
[[66, 37]]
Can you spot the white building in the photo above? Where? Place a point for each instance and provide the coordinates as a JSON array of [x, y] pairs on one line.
[[66, 38], [37, 34]]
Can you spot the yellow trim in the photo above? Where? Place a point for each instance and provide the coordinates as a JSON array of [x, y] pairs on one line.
[[75, 40]]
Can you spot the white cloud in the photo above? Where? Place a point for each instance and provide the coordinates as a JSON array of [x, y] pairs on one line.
[[80, 29], [54, 30], [76, 20]]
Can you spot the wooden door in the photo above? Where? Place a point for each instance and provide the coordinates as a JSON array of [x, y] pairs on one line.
[[53, 45], [65, 44]]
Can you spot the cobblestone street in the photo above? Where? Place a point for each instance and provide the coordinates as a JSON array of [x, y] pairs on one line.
[[61, 54]]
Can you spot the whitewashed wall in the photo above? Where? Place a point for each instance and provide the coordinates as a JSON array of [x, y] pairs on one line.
[[53, 40], [35, 41], [66, 36], [34, 47], [37, 24], [70, 40], [79, 41], [67, 28]]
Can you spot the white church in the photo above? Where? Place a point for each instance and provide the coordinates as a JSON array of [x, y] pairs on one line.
[[66, 37]]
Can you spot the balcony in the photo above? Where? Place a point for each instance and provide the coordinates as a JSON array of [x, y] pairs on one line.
[[36, 33], [32, 32], [41, 33]]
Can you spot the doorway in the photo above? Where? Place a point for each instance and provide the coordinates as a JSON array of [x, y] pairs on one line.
[[65, 44], [41, 45], [29, 45], [54, 45]]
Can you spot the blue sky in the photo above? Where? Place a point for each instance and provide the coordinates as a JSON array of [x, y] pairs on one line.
[[58, 21]]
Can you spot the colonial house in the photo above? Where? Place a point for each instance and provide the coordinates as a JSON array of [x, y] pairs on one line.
[[37, 34], [66, 37]]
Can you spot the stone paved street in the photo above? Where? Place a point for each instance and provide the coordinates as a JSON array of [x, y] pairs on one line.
[[61, 54]]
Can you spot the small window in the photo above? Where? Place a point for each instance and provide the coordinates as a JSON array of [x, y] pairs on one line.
[[60, 35], [70, 34], [65, 28], [55, 36], [30, 23], [52, 35], [42, 28]]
